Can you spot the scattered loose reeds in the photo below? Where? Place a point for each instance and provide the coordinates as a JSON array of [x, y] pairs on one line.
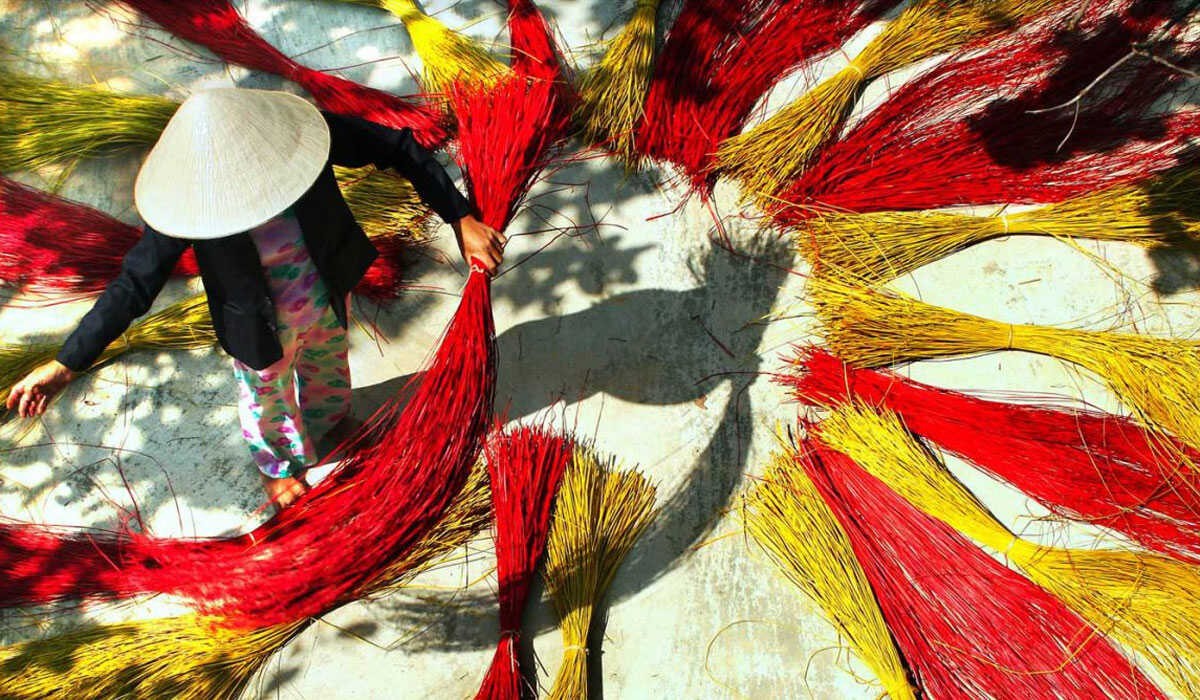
[[600, 514]]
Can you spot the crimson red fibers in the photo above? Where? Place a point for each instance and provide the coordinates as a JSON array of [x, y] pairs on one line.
[[966, 625], [969, 131], [1083, 465], [525, 466], [218, 26], [718, 62]]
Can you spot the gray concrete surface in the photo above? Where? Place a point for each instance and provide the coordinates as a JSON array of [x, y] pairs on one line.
[[639, 333]]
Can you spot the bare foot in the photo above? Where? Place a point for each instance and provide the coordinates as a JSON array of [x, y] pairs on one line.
[[284, 492]]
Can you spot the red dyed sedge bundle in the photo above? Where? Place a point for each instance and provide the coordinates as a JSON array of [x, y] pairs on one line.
[[717, 64], [218, 26], [946, 139], [535, 53], [965, 624], [402, 472], [525, 466], [1084, 465]]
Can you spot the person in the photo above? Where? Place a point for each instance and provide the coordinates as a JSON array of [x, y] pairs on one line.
[[245, 178]]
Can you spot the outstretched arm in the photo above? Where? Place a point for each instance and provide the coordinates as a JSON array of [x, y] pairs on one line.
[[356, 142], [144, 271]]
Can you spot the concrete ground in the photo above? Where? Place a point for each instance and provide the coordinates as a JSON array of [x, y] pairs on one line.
[[639, 333]]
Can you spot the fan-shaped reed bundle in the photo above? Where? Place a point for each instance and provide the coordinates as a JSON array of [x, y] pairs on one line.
[[1145, 602], [600, 514], [612, 93], [184, 325], [790, 520], [772, 154], [877, 247], [446, 55], [1153, 377]]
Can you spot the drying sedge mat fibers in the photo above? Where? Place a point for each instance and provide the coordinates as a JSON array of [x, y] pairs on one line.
[[184, 325], [789, 519], [1080, 464], [219, 27], [335, 539], [612, 93], [525, 466], [966, 625], [535, 53], [446, 55], [1145, 602], [878, 247], [62, 249], [600, 514], [192, 656], [770, 155], [983, 126], [1153, 377], [720, 58]]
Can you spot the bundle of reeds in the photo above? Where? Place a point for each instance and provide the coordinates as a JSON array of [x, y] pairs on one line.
[[600, 514], [772, 154], [1153, 377], [526, 465], [612, 93], [877, 247], [791, 521], [218, 26], [184, 325], [996, 123], [446, 55], [1143, 601], [1080, 464]]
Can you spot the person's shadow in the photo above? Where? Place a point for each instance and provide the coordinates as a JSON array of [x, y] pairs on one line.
[[654, 347]]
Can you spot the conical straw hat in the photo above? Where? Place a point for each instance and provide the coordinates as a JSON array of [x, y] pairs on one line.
[[229, 160]]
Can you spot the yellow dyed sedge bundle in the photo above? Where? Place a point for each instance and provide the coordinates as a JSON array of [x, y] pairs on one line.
[[769, 156], [600, 514], [1146, 602], [446, 55], [790, 520], [1154, 377], [46, 122], [385, 204], [613, 93], [197, 658], [184, 325], [186, 657], [877, 247]]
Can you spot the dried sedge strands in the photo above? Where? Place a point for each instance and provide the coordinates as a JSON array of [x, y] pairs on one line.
[[984, 127], [178, 657], [1151, 376], [877, 247], [505, 135], [1145, 602], [772, 154], [600, 514], [46, 122], [788, 518], [218, 26], [196, 657], [184, 325], [967, 625], [525, 466], [446, 55], [535, 53], [612, 93], [1080, 464]]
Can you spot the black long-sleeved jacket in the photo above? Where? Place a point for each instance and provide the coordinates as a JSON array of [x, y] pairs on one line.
[[242, 312]]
